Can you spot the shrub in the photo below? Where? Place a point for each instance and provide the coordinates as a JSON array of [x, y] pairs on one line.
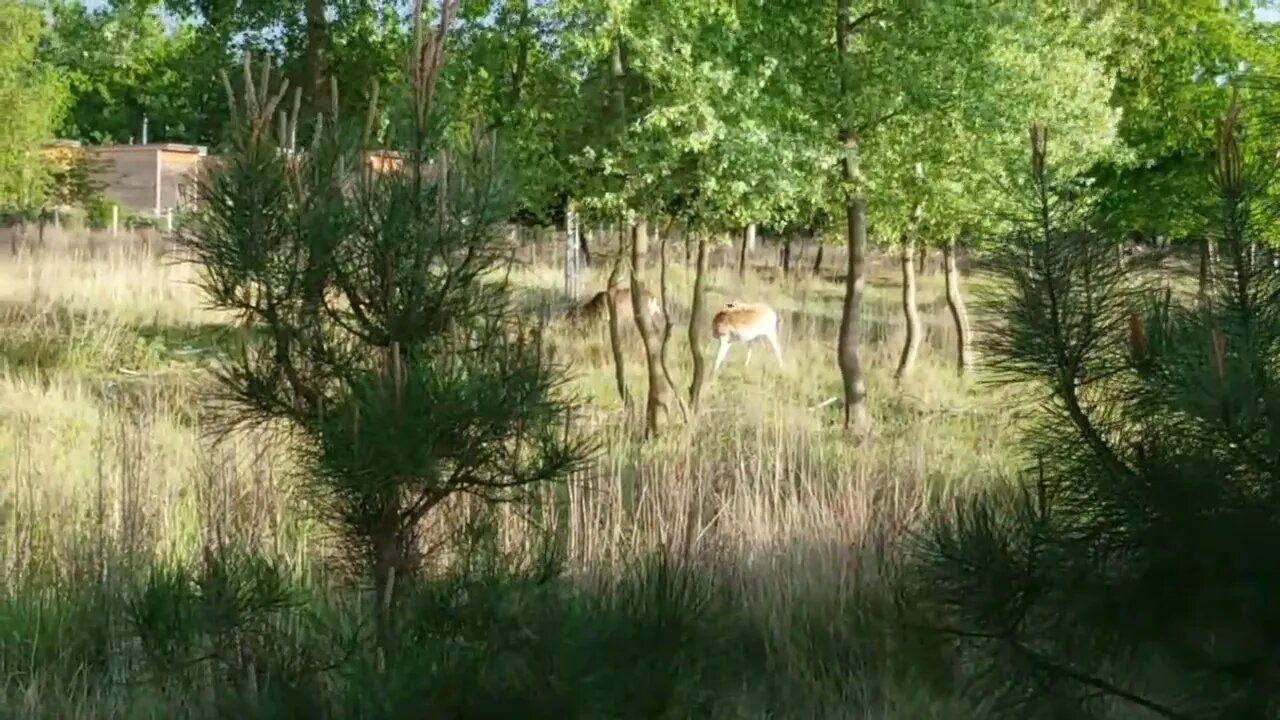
[[1132, 566]]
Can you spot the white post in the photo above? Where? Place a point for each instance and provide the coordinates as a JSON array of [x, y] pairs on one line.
[[572, 268], [115, 220], [751, 238], [158, 185], [168, 220]]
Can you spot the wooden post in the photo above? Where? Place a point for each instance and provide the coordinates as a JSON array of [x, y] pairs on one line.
[[572, 264]]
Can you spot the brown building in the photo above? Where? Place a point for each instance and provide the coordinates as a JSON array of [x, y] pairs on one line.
[[156, 177], [151, 178], [159, 177]]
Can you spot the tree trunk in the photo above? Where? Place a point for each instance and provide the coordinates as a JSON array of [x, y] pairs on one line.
[[658, 407], [911, 345], [747, 241], [663, 299], [1206, 271], [848, 356], [786, 255], [615, 326], [847, 351], [618, 78], [817, 261], [751, 238], [585, 248], [698, 324], [955, 302], [316, 57], [388, 557], [922, 262]]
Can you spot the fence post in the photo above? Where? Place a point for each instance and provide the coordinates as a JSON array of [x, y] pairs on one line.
[[572, 267]]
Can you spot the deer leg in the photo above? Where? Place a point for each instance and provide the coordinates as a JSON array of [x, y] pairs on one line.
[[777, 351], [724, 350]]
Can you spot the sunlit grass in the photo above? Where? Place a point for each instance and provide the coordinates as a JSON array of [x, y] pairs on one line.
[[790, 517]]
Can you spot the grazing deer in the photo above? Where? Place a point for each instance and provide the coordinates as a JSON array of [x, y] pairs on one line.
[[744, 322], [597, 308]]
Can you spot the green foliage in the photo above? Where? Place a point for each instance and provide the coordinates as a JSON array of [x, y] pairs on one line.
[[32, 95], [514, 73], [1170, 59], [79, 183], [1123, 571], [1038, 64], [98, 213], [122, 64]]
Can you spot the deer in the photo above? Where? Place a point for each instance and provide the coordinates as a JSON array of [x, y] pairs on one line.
[[745, 322], [597, 308]]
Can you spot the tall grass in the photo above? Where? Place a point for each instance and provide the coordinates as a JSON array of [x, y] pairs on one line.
[[741, 566]]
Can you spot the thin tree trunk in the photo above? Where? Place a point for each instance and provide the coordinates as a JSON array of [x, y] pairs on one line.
[[786, 255], [817, 261], [666, 322], [751, 238], [955, 302], [847, 352], [316, 57], [922, 262], [848, 355], [911, 345], [1206, 271], [747, 241], [658, 407], [389, 557], [698, 324], [617, 78], [615, 326], [584, 247]]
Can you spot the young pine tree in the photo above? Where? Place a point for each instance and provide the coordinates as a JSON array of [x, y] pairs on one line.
[[384, 336], [1133, 573]]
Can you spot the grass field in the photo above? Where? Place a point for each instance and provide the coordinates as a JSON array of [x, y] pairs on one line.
[[739, 567]]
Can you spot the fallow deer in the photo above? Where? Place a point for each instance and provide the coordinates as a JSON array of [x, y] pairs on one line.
[[745, 322], [597, 308]]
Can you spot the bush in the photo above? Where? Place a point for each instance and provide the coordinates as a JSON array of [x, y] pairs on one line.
[[98, 213], [1132, 567]]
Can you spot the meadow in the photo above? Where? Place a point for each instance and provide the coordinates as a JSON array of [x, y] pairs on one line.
[[742, 566]]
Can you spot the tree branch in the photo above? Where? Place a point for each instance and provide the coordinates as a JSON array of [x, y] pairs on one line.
[[1098, 684], [876, 122], [863, 18]]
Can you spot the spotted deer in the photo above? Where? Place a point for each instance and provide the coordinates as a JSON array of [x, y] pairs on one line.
[[597, 308], [745, 322]]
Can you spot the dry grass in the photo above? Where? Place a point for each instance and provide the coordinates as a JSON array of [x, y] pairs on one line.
[[100, 421]]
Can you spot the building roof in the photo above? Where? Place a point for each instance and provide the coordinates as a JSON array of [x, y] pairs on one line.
[[167, 147]]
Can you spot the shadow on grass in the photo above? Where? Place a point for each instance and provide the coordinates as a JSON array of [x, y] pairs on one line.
[[665, 637], [56, 337]]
